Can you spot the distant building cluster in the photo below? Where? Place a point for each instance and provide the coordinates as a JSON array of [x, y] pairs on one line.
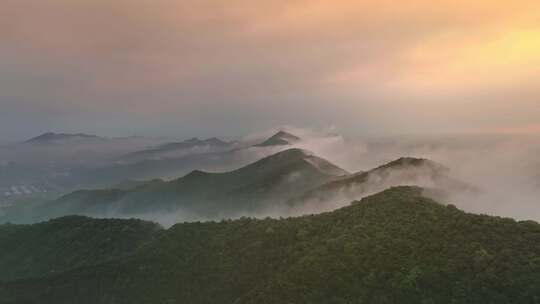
[[21, 190]]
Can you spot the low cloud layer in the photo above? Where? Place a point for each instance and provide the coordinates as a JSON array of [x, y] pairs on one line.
[[504, 168], [489, 174]]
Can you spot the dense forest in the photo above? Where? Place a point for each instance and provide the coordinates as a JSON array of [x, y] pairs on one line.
[[393, 247], [66, 243]]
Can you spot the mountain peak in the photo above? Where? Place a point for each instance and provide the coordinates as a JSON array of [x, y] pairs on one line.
[[51, 137], [413, 162], [195, 173], [210, 141], [296, 155], [192, 140], [215, 141], [294, 152], [281, 138], [396, 194]]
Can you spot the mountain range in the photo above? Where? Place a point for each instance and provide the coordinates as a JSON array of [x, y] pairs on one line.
[[178, 149], [395, 243], [291, 182], [51, 138], [54, 164], [261, 185], [174, 159], [403, 171]]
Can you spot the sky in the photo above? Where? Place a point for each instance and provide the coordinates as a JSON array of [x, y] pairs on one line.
[[225, 68]]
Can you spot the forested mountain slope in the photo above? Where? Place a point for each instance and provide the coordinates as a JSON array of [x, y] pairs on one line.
[[393, 247], [67, 243]]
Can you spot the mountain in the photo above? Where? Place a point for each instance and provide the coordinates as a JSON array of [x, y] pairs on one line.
[[67, 243], [393, 247], [55, 164], [129, 184], [195, 142], [175, 159], [178, 149], [281, 138], [403, 171], [62, 138], [167, 168], [262, 185]]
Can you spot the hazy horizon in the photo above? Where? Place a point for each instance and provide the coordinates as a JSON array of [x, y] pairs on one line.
[[171, 135]]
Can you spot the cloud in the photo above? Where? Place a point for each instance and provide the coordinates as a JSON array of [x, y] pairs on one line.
[[241, 66], [504, 168]]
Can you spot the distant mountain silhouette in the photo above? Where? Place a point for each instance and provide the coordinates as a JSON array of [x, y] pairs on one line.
[[60, 138], [281, 138], [269, 181], [178, 149]]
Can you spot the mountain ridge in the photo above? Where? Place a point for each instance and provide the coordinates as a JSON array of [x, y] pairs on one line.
[[281, 138], [178, 149], [51, 137], [402, 171], [251, 188], [396, 246]]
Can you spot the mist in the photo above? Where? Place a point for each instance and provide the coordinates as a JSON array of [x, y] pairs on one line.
[[503, 167], [495, 174]]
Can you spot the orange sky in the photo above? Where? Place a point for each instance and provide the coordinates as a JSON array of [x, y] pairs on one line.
[[441, 65]]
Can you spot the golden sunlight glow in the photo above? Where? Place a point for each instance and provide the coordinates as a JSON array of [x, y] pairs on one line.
[[507, 57], [443, 46]]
